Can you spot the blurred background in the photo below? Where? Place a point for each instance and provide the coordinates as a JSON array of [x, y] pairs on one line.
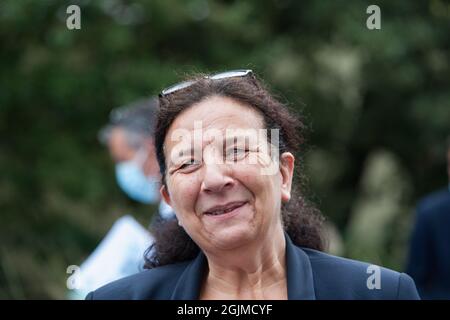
[[377, 102]]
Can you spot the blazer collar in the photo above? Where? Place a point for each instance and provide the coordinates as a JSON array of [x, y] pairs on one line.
[[298, 271]]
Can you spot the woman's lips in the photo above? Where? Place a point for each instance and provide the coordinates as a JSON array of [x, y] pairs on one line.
[[225, 214]]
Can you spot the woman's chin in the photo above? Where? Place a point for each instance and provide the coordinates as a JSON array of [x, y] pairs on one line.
[[232, 237]]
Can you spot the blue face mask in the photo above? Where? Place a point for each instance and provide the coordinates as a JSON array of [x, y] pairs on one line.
[[132, 180]]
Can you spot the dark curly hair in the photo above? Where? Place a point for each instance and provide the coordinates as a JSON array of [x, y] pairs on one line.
[[301, 220]]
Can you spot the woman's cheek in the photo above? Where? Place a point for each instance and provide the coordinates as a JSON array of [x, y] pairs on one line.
[[248, 173], [187, 188]]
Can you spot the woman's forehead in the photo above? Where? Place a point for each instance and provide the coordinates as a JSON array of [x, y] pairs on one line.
[[216, 114]]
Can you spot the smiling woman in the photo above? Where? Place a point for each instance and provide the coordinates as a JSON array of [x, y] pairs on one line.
[[242, 231], [239, 102]]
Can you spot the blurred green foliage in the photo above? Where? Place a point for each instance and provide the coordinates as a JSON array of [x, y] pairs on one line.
[[378, 104]]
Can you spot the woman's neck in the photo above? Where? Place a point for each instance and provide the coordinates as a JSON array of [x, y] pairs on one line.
[[257, 271]]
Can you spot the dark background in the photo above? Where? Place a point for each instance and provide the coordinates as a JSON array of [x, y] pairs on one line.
[[377, 102]]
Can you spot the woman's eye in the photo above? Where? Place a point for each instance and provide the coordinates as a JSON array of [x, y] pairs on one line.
[[188, 164], [236, 153]]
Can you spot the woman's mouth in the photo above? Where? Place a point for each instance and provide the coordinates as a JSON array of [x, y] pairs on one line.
[[225, 211]]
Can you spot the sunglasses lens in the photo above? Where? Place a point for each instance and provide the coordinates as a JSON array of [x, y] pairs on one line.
[[176, 87], [223, 75], [230, 74]]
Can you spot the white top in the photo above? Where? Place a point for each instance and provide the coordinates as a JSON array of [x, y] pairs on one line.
[[118, 255]]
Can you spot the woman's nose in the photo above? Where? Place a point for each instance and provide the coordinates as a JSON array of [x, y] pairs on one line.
[[216, 179]]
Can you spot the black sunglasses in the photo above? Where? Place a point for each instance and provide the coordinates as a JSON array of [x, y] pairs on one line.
[[218, 76]]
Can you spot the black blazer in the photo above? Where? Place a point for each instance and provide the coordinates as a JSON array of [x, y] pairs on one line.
[[429, 254], [310, 275]]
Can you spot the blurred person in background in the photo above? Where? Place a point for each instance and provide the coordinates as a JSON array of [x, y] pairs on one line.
[[129, 138], [429, 254]]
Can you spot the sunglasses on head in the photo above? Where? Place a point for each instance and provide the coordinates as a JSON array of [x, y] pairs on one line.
[[217, 76]]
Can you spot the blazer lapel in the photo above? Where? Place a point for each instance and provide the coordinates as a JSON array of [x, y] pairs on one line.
[[188, 285], [299, 273]]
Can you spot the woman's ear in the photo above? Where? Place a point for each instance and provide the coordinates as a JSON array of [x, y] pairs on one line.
[[165, 194], [287, 161]]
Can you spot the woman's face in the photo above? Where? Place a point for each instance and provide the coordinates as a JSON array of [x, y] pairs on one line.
[[217, 176]]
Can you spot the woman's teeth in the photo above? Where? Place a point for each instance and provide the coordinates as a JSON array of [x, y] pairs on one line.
[[219, 212]]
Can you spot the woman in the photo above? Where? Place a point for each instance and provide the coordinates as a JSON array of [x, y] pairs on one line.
[[226, 150]]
